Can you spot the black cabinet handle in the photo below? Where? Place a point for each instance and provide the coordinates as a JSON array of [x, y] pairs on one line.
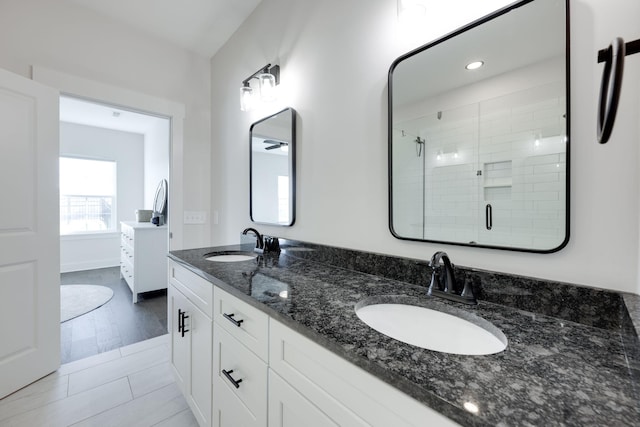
[[488, 213], [236, 383], [181, 316], [230, 318]]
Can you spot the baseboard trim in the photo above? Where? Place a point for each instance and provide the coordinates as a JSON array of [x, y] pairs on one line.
[[89, 265]]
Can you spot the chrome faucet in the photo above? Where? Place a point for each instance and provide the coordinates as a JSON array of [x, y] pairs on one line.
[[443, 283], [259, 241]]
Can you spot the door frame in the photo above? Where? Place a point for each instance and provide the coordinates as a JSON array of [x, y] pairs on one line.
[[91, 90]]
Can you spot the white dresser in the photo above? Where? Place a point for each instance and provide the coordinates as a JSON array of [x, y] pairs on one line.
[[143, 256]]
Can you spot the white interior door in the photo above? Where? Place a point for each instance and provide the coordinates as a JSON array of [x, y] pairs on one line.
[[29, 232]]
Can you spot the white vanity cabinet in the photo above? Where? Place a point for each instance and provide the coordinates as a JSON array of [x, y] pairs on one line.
[[343, 393], [190, 302], [288, 408], [238, 367], [143, 255], [240, 358]]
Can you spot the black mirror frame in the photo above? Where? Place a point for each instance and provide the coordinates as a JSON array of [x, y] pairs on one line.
[[459, 31], [292, 168]]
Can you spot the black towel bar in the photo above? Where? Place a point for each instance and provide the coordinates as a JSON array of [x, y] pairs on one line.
[[611, 86], [630, 49]]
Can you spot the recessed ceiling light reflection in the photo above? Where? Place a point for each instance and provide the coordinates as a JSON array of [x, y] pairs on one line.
[[471, 407], [474, 65]]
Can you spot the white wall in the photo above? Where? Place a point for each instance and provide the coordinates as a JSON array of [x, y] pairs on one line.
[[89, 251], [334, 58], [156, 160], [73, 40]]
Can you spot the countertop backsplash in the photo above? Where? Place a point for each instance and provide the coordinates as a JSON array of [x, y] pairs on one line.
[[599, 308]]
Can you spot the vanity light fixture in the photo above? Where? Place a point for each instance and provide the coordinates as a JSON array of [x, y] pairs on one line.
[[474, 65], [246, 96], [268, 78]]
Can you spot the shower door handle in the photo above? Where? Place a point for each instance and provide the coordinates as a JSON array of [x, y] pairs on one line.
[[610, 88]]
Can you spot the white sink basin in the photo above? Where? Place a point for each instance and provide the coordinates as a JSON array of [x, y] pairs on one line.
[[433, 329], [231, 257]]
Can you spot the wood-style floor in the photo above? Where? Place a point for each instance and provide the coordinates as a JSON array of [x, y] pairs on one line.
[[117, 323], [129, 386]]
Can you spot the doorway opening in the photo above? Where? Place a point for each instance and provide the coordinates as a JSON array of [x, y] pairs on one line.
[[96, 138]]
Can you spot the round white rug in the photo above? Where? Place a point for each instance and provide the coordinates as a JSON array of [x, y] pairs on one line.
[[80, 299]]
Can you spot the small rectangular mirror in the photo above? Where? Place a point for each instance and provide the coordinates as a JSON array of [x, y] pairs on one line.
[[479, 133], [272, 169]]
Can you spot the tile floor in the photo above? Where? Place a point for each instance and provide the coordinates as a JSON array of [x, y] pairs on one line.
[[129, 386]]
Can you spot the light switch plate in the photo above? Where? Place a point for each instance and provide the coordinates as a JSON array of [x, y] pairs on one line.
[[195, 217]]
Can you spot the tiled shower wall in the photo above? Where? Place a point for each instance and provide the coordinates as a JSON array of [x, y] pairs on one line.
[[508, 152]]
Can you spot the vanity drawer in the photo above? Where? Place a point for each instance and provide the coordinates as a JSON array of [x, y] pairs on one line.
[[198, 290], [345, 393], [241, 394], [247, 324]]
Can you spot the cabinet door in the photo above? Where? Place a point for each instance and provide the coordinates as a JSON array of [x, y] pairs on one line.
[[288, 408], [179, 344], [191, 351], [239, 383], [199, 327]]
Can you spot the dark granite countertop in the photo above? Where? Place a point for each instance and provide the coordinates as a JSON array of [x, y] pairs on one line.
[[572, 358]]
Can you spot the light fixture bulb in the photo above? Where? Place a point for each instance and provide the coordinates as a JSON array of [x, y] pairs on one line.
[[474, 65], [246, 97], [267, 86]]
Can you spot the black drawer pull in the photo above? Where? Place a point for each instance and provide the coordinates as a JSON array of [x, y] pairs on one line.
[[230, 318], [236, 383]]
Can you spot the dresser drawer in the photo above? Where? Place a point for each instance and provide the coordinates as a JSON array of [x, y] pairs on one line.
[[126, 253], [127, 234], [194, 287], [247, 324], [127, 273], [239, 383]]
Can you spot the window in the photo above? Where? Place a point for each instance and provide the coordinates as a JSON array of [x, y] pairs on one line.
[[87, 195], [283, 199]]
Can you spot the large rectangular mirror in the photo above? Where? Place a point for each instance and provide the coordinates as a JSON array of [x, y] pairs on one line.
[[479, 156], [272, 169]]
